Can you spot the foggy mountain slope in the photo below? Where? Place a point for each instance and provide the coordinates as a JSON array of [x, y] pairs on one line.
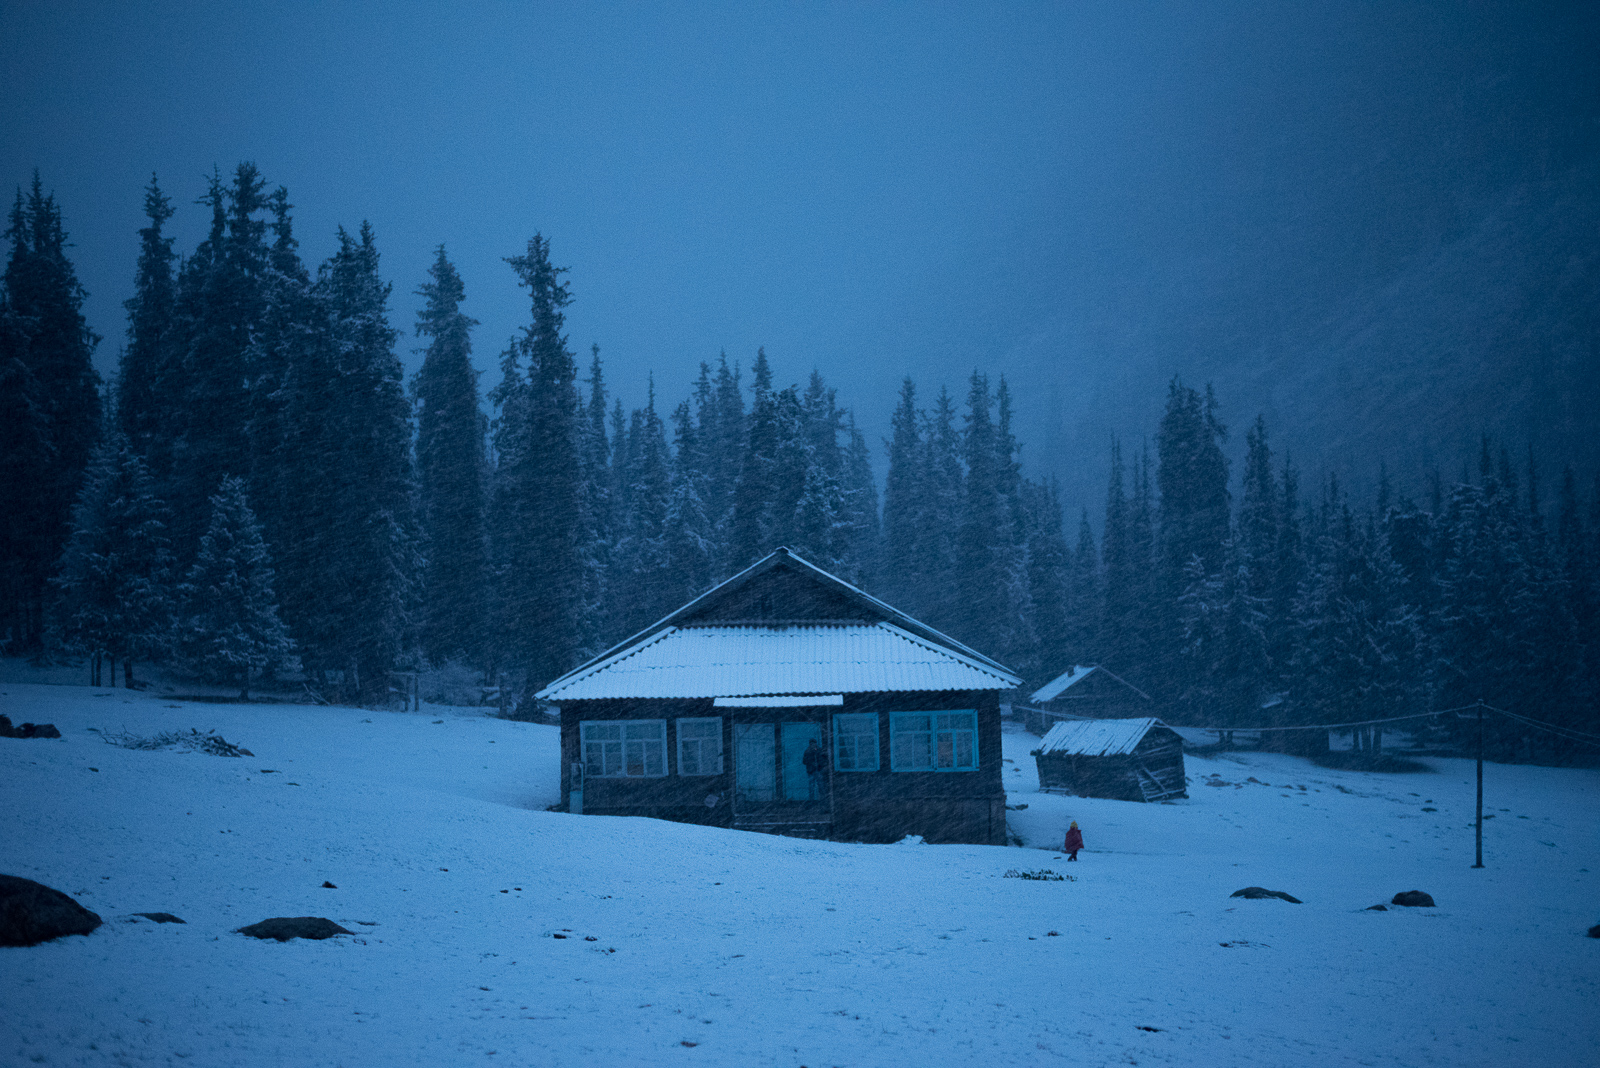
[[1489, 326], [1494, 331]]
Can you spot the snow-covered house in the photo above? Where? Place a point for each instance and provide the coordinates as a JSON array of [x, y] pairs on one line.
[[1123, 759], [787, 700], [1081, 692]]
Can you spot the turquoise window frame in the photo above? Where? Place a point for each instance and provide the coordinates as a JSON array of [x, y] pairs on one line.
[[906, 752], [839, 736]]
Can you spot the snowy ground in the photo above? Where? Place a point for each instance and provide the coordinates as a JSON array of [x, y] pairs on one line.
[[697, 946]]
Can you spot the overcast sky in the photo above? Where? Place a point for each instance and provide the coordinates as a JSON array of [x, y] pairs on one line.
[[1086, 197]]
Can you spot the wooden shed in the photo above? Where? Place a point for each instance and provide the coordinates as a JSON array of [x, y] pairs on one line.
[[787, 700], [1085, 692], [1121, 759]]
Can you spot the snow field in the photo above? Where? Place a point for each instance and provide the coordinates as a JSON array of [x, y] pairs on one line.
[[720, 948]]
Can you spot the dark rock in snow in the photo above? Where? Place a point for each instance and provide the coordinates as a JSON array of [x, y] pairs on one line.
[[284, 928], [328, 886], [27, 730], [1413, 899], [1594, 932], [159, 917], [31, 913], [1254, 892], [1377, 908]]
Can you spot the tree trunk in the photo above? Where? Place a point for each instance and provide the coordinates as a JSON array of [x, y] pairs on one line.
[[127, 673]]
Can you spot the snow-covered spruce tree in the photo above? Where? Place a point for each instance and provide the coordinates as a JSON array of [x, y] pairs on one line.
[[221, 298], [539, 504], [983, 532], [25, 443], [690, 539], [115, 575], [754, 489], [451, 470], [47, 350], [944, 479], [641, 554], [860, 549], [229, 630], [901, 577], [1049, 562], [146, 373], [599, 508], [1085, 612]]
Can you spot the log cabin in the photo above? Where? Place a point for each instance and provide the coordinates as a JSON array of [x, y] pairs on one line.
[[788, 701]]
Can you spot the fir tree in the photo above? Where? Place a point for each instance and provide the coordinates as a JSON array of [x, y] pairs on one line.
[[147, 375], [905, 536], [451, 469], [754, 490], [229, 629], [48, 346], [543, 586], [222, 297], [114, 577]]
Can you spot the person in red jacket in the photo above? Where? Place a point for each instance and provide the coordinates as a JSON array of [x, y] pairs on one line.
[[1074, 841]]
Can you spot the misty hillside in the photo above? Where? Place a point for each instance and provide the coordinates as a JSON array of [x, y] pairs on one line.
[[1494, 331]]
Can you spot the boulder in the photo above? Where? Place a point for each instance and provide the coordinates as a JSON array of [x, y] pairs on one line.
[[1377, 908], [31, 913], [27, 730], [159, 917], [1261, 891], [284, 928], [1413, 899], [1594, 932]]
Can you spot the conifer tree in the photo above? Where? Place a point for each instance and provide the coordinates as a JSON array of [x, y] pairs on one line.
[[47, 350], [857, 535], [222, 298], [754, 490], [350, 554], [229, 629], [1049, 585], [542, 583], [1082, 641], [905, 535], [451, 467], [114, 577], [147, 374]]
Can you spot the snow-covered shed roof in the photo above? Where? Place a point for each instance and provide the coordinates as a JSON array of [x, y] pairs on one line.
[[1071, 677], [736, 641], [746, 661], [1052, 689], [1097, 737]]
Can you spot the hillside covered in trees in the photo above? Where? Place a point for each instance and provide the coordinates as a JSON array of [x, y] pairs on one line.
[[259, 496]]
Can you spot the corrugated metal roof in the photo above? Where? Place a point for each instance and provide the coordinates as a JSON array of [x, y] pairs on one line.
[[1052, 689], [746, 661], [1097, 737]]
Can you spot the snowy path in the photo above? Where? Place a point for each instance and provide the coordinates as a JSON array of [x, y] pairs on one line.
[[761, 950]]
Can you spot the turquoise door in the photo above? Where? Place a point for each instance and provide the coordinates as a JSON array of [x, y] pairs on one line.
[[755, 765]]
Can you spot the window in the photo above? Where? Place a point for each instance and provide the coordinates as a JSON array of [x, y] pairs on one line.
[[933, 741], [855, 741], [624, 748], [700, 746]]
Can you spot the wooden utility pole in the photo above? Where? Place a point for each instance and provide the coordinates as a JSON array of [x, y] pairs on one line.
[[1479, 864]]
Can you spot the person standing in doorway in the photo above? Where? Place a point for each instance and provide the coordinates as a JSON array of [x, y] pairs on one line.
[[1074, 841], [814, 760]]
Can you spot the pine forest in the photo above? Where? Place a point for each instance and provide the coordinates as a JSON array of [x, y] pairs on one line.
[[259, 499]]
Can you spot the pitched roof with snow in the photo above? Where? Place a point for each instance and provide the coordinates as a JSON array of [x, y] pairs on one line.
[[1052, 689], [698, 651], [1097, 737], [747, 661], [1071, 677]]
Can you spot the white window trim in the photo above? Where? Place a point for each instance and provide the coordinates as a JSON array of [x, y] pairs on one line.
[[622, 743], [933, 740], [716, 738], [838, 736]]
